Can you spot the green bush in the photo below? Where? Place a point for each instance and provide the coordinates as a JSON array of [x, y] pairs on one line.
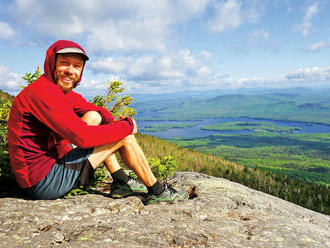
[[114, 101], [164, 167], [4, 115]]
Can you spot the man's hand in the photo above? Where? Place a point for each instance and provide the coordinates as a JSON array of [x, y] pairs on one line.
[[135, 127], [121, 117]]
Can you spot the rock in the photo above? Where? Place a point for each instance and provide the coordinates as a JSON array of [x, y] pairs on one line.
[[224, 214]]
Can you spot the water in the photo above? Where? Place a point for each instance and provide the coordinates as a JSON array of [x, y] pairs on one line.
[[196, 132]]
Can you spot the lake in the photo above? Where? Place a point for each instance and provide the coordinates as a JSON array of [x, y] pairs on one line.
[[196, 132]]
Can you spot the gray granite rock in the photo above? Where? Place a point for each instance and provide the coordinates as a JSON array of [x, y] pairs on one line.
[[224, 214]]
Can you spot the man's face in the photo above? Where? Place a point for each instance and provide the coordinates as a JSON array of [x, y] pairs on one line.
[[68, 70]]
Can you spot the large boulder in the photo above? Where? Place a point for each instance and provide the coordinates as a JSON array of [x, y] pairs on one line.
[[224, 214]]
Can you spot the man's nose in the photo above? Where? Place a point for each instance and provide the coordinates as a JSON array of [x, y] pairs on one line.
[[69, 69]]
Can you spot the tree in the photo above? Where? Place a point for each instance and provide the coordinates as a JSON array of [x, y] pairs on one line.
[[116, 104]]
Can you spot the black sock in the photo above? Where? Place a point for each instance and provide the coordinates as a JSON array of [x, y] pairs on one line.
[[156, 189], [120, 176]]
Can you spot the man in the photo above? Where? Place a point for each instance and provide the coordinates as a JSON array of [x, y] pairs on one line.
[[47, 117]]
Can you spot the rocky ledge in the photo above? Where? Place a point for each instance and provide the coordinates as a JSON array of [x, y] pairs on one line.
[[224, 214]]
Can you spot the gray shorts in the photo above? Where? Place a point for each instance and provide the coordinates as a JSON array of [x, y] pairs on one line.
[[69, 172]]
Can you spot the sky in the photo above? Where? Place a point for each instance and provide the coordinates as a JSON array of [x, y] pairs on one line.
[[162, 46]]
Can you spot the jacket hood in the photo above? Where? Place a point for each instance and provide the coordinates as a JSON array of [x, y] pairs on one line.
[[50, 61]]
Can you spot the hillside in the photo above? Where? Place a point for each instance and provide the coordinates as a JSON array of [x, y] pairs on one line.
[[4, 96], [311, 195], [224, 214]]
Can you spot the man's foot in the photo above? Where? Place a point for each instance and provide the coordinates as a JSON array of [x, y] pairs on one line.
[[132, 187], [169, 195]]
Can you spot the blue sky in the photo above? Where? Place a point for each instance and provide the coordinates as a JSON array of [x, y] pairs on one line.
[[166, 46]]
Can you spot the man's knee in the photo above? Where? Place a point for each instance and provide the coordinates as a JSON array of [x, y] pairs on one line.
[[92, 118], [130, 139]]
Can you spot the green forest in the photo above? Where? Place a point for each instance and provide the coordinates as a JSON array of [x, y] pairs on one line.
[[301, 156]]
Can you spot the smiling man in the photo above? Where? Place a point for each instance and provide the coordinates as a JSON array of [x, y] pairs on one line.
[[68, 69], [47, 118]]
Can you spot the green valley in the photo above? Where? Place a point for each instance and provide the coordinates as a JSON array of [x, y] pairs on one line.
[[302, 156]]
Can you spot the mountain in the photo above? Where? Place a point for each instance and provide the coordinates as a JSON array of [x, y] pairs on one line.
[[298, 104]]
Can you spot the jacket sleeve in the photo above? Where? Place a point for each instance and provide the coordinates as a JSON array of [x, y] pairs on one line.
[[50, 106], [81, 106]]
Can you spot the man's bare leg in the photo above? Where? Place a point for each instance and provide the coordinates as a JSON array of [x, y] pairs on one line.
[[131, 154], [135, 159], [129, 150], [93, 118]]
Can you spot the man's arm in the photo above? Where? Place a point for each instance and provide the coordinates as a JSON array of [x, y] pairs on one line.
[[81, 106], [48, 104]]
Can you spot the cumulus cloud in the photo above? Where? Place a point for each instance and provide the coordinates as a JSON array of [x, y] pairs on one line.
[[9, 81], [109, 24], [182, 65], [228, 16], [233, 13], [172, 79], [310, 12], [6, 32], [128, 35]]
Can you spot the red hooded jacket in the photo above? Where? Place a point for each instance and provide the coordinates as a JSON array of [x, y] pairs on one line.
[[43, 120]]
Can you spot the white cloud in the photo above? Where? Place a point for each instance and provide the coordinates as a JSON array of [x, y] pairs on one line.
[[260, 33], [311, 11], [228, 16], [171, 80], [128, 35], [109, 24], [9, 81], [182, 65], [164, 72], [6, 32], [310, 74], [206, 55], [231, 14], [304, 77], [318, 46]]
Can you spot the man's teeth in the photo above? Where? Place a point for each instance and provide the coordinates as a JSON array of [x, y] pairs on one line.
[[67, 79]]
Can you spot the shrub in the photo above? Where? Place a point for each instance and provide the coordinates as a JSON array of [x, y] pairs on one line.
[[163, 167], [114, 102]]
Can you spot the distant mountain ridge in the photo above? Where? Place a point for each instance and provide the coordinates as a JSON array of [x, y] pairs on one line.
[[288, 104]]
